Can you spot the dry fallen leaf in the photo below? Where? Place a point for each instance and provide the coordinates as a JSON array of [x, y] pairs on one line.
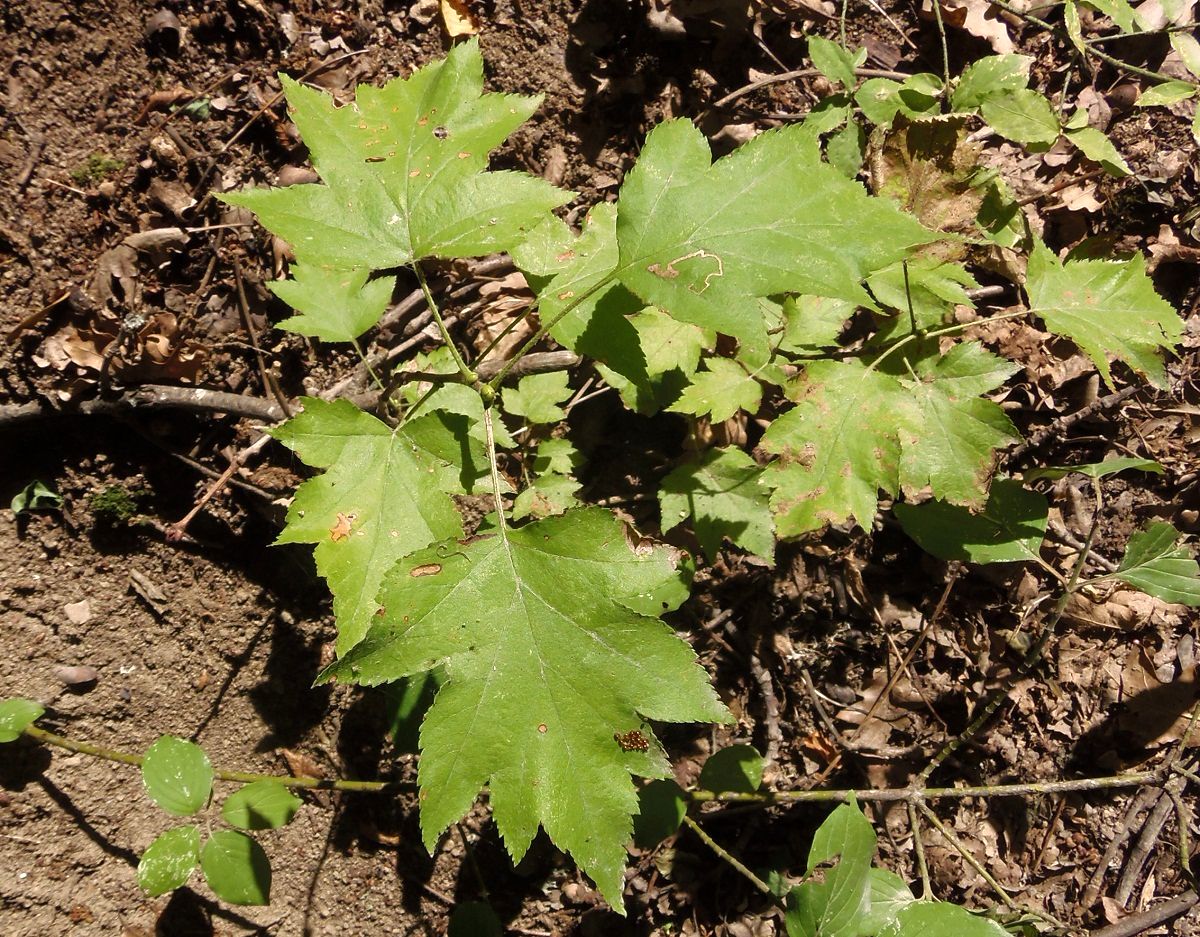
[[457, 18]]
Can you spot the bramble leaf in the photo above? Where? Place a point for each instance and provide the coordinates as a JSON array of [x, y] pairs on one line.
[[1110, 466], [661, 808], [725, 496], [380, 499], [838, 447], [736, 768], [856, 430], [403, 178], [940, 919], [1159, 565], [948, 432], [1105, 307], [698, 239], [1009, 529], [177, 775], [1021, 115], [260, 805], [236, 868], [16, 715], [667, 343], [991, 76], [537, 397], [167, 862], [720, 390], [835, 906], [545, 659]]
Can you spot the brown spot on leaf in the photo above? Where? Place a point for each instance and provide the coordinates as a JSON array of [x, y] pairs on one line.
[[342, 526], [542, 728], [425, 569]]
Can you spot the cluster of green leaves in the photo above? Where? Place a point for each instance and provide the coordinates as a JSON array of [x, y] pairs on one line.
[[178, 777], [715, 290]]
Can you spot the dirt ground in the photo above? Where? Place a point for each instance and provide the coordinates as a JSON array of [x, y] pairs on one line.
[[217, 638]]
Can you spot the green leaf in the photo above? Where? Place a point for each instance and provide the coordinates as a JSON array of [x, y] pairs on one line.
[[856, 430], [948, 438], [1158, 565], [1119, 11], [1009, 529], [668, 344], [35, 497], [537, 397], [336, 304], [403, 178], [835, 907], [724, 495], [846, 149], [737, 768], [1187, 47], [1105, 307], [811, 323], [923, 291], [379, 500], [919, 95], [177, 775], [1021, 115], [941, 919], [1095, 469], [832, 61], [1165, 94], [406, 702], [167, 862], [548, 495], [474, 919], [838, 447], [260, 805], [1097, 147], [661, 808], [557, 457], [991, 76], [720, 390], [546, 660], [698, 239], [879, 99], [888, 895], [236, 868], [16, 715]]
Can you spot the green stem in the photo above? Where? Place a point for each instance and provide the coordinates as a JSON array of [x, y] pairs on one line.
[[469, 377], [1091, 50], [729, 857], [516, 320], [241, 777], [545, 328], [494, 463], [969, 857], [367, 364], [1111, 782]]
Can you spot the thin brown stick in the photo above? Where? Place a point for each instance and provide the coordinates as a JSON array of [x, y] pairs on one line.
[[150, 397], [1153, 916], [801, 73]]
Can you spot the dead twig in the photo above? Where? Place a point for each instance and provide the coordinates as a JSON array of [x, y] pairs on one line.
[[1153, 916], [150, 397], [1067, 420]]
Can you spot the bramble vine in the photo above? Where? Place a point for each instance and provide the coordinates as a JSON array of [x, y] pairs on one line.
[[769, 284]]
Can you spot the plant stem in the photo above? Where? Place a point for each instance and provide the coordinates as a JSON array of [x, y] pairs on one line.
[[969, 856], [914, 822], [469, 377], [241, 777], [1111, 782], [1091, 50], [367, 364], [893, 795], [728, 857], [495, 467]]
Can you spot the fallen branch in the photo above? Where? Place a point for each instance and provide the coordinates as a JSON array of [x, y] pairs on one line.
[[151, 397]]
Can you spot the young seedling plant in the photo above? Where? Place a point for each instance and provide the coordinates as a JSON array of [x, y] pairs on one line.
[[708, 289]]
